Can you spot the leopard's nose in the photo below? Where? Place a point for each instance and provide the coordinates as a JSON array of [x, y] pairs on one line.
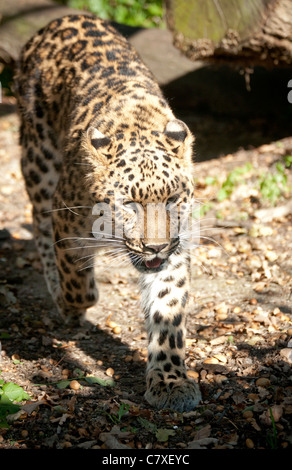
[[155, 248]]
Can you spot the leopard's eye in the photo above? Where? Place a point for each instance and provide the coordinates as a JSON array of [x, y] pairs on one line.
[[173, 199]]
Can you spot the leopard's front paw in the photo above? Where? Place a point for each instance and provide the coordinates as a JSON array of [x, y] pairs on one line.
[[180, 395]]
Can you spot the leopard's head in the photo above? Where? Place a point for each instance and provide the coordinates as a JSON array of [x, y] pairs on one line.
[[142, 182]]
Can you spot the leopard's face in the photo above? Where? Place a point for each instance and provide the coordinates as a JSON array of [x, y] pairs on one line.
[[143, 190], [151, 231]]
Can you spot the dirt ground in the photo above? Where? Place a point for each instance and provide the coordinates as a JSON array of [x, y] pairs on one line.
[[239, 345]]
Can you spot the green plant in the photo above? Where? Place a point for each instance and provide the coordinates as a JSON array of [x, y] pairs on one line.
[[89, 379], [116, 418], [210, 180], [143, 13], [273, 184], [272, 439], [288, 161], [4, 335], [10, 395], [232, 180], [201, 210], [161, 434]]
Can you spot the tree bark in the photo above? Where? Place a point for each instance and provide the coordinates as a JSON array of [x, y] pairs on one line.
[[244, 32]]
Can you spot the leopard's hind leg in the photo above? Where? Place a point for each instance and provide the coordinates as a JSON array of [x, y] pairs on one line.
[[40, 163], [71, 287]]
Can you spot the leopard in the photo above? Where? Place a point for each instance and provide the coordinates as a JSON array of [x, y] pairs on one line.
[[100, 144]]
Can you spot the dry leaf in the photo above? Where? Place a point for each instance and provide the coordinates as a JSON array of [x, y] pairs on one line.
[[202, 443], [202, 433], [111, 441]]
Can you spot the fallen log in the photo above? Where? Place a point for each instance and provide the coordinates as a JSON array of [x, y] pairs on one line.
[[240, 32]]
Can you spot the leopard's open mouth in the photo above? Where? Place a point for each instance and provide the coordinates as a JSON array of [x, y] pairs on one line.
[[144, 265], [154, 263]]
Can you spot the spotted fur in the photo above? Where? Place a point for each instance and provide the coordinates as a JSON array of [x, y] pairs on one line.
[[94, 125]]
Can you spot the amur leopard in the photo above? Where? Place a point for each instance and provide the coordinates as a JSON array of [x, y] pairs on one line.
[[96, 134]]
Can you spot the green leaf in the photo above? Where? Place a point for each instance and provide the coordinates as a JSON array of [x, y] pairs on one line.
[[210, 180], [132, 12], [63, 384], [13, 392], [162, 434], [60, 409], [5, 410], [123, 409], [222, 194], [280, 168], [97, 380], [78, 373], [146, 424], [9, 392], [154, 10], [288, 160], [4, 335]]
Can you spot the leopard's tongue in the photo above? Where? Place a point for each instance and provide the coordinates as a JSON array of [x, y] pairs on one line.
[[154, 263]]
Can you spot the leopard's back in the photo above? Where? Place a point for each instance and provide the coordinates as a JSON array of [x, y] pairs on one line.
[[70, 70]]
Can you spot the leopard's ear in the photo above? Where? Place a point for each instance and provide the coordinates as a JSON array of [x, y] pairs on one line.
[[176, 130], [179, 137], [96, 139]]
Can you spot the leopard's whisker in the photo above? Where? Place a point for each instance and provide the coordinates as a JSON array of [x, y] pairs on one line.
[[112, 259], [116, 252], [82, 264], [76, 239], [113, 250], [118, 237], [66, 208], [96, 245]]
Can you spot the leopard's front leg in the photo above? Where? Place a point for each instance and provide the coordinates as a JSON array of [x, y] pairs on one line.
[[164, 298]]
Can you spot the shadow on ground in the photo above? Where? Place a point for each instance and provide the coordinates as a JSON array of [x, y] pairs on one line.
[[40, 334], [224, 115]]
